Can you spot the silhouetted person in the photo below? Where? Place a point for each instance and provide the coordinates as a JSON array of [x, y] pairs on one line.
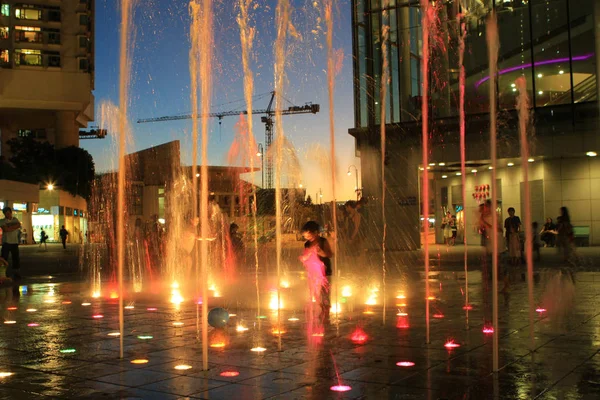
[[63, 236], [548, 233], [43, 238], [10, 240]]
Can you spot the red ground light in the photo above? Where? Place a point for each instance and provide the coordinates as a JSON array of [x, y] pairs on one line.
[[450, 344], [405, 364], [488, 330], [229, 374], [359, 336]]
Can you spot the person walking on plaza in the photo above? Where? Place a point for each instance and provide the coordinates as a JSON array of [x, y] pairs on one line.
[[10, 240], [43, 238], [447, 228], [63, 236], [512, 225], [24, 236]]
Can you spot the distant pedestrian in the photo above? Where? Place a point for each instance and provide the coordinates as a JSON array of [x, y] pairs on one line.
[[548, 233], [24, 236], [565, 237], [512, 225], [43, 238], [10, 240], [63, 236], [454, 228], [447, 228]]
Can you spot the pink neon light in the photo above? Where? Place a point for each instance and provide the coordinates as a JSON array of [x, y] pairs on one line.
[[528, 65], [451, 344]]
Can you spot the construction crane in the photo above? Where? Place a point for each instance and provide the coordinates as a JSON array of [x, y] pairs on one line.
[[93, 133], [267, 119]]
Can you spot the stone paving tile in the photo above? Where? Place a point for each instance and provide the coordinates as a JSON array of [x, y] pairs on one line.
[[240, 392], [183, 385], [135, 378]]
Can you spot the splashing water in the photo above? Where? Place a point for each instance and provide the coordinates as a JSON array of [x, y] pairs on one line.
[[247, 38], [125, 58], [463, 150], [493, 46], [385, 77], [201, 70], [523, 107], [331, 86], [283, 24], [428, 12]]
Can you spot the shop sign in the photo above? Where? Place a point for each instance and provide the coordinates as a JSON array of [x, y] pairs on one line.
[[408, 201], [19, 206]]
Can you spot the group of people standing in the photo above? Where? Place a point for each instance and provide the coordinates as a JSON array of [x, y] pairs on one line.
[[560, 233]]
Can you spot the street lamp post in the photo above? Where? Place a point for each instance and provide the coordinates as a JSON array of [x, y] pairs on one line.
[[261, 154], [357, 190]]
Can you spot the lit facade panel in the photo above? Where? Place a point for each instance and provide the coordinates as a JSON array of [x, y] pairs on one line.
[[549, 42]]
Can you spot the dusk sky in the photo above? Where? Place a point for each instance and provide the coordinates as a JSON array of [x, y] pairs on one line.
[[160, 83]]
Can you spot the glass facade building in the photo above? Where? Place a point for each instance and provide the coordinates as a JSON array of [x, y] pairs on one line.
[[554, 45], [551, 43]]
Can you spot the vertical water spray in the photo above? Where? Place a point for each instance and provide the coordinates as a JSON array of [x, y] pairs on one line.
[[124, 74], [282, 18], [205, 47], [247, 38], [493, 46], [426, 21], [385, 77], [194, 72], [463, 173], [331, 86], [523, 107]]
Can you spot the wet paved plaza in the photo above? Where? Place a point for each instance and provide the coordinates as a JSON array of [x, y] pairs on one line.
[[57, 342]]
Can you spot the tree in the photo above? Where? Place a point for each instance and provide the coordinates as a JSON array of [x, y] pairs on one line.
[[32, 158], [308, 201], [75, 171], [71, 168]]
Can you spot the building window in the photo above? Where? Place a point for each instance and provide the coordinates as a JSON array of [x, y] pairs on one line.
[[4, 30], [84, 19], [5, 10], [53, 59], [54, 15], [53, 36], [28, 57], [28, 12], [83, 42], [28, 34], [83, 64], [32, 133], [4, 58]]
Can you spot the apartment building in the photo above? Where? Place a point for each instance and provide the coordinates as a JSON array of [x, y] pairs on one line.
[[46, 70]]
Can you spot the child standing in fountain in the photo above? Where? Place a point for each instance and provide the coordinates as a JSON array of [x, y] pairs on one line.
[[317, 261]]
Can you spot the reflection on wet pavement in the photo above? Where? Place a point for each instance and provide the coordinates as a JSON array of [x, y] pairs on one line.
[[54, 345]]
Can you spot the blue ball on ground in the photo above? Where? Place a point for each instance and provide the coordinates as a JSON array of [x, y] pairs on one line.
[[218, 317]]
